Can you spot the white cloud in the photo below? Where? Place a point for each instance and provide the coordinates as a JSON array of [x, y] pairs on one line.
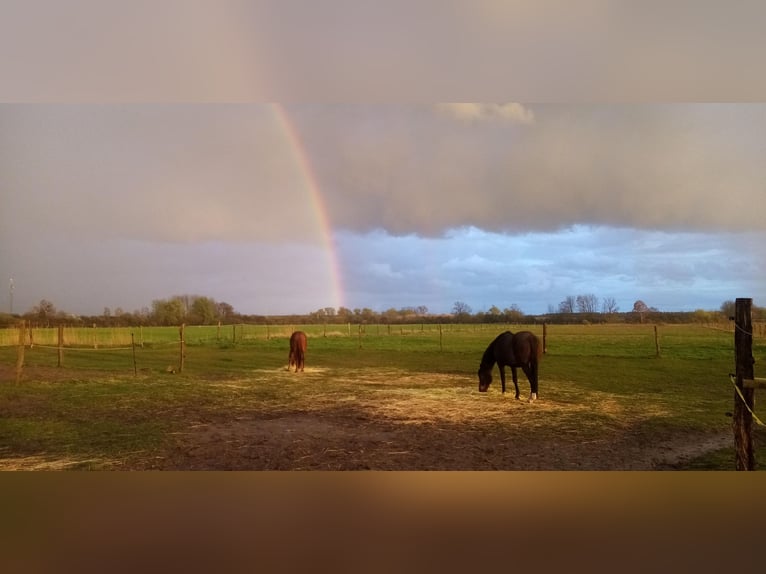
[[511, 111]]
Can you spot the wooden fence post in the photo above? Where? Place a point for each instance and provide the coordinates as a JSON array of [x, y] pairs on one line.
[[20, 352], [133, 346], [183, 349], [656, 341], [545, 338], [61, 344], [743, 417]]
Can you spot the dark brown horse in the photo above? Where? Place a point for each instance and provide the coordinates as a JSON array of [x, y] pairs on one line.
[[297, 351], [522, 349]]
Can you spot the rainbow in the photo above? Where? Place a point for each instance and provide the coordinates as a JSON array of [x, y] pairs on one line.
[[308, 177]]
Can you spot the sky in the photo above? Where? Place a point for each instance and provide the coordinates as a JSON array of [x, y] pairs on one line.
[[285, 157], [279, 209]]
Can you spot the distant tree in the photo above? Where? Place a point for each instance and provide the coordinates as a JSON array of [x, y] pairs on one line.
[[319, 314], [567, 305], [224, 311], [641, 308], [461, 310], [407, 314], [587, 303], [144, 315], [513, 314], [390, 315], [367, 315], [421, 310], [727, 308], [203, 311], [168, 311], [609, 306], [43, 312], [702, 316]]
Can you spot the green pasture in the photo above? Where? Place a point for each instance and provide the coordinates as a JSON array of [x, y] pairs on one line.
[[112, 400]]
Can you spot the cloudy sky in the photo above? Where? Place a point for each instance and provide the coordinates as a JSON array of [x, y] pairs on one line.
[[291, 208], [117, 192]]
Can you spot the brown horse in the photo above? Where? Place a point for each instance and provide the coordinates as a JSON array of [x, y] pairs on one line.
[[522, 349], [297, 354]]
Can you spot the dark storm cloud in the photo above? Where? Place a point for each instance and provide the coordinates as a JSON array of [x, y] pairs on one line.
[[420, 170]]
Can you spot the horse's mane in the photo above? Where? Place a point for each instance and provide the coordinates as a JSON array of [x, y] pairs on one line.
[[488, 359]]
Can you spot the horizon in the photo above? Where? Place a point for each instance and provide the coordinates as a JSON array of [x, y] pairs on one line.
[[417, 310]]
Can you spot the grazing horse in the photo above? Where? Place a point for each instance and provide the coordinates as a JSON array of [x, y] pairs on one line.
[[297, 354], [522, 349]]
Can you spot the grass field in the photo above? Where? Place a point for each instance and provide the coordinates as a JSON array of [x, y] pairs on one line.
[[400, 398]]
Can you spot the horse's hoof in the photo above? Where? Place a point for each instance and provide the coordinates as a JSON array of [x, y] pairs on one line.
[[532, 397]]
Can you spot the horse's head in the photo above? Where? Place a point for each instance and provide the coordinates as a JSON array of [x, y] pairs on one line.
[[485, 378]]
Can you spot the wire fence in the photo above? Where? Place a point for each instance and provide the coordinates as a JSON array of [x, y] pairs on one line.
[[71, 345], [165, 348], [113, 337]]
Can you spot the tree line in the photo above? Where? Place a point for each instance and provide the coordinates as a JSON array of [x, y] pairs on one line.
[[201, 310]]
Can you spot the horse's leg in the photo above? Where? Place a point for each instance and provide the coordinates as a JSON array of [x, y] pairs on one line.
[[515, 381], [530, 370], [502, 376]]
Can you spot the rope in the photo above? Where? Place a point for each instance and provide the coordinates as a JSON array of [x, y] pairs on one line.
[[733, 380], [737, 327]]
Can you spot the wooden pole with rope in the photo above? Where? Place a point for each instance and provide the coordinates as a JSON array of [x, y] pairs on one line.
[[744, 397]]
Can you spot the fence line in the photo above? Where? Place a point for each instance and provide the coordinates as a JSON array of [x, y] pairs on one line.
[[37, 355], [96, 337], [122, 337], [159, 351]]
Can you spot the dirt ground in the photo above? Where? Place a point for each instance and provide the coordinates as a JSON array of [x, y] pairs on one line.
[[455, 428], [452, 430], [300, 441]]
